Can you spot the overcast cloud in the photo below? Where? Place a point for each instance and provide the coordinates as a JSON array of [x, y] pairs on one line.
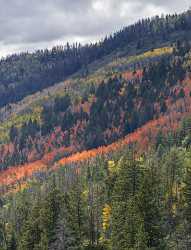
[[32, 24]]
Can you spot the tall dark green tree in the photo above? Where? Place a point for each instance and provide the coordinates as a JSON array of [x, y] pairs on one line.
[[127, 223], [151, 209]]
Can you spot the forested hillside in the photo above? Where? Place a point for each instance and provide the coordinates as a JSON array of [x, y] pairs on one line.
[[21, 75], [124, 200], [117, 105], [95, 142]]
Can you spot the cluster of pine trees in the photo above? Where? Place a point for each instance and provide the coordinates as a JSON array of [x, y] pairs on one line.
[[120, 201], [27, 73], [118, 106]]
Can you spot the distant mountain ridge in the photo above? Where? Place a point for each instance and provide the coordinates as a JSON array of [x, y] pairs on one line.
[[27, 73]]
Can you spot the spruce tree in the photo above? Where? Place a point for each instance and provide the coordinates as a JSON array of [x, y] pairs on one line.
[[127, 223], [187, 206], [127, 226], [150, 207], [12, 244]]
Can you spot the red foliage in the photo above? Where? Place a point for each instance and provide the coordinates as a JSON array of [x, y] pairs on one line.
[[129, 75], [144, 137]]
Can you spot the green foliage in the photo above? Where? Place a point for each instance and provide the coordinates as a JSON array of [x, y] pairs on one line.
[[16, 122], [127, 224], [44, 68], [146, 201], [187, 195], [149, 200]]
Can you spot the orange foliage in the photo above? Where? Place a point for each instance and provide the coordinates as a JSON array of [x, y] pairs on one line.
[[144, 137], [13, 175], [129, 75]]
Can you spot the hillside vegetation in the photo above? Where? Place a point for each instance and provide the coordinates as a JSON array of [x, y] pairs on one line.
[[95, 142], [96, 203], [112, 106], [24, 74]]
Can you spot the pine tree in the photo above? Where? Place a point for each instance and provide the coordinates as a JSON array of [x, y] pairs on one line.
[[49, 214], [173, 176], [12, 244], [70, 225], [2, 235], [128, 180], [65, 235], [187, 206], [127, 226], [151, 210], [127, 223], [31, 233], [43, 244]]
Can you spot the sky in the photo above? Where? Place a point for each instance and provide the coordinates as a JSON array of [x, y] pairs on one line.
[[28, 25]]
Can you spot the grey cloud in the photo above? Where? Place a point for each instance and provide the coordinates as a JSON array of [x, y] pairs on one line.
[[26, 24]]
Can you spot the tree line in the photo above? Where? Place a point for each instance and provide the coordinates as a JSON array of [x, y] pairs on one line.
[[120, 201], [26, 73], [118, 106]]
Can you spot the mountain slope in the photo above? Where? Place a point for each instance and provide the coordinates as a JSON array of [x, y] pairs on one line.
[[96, 154], [24, 74], [142, 139], [108, 106]]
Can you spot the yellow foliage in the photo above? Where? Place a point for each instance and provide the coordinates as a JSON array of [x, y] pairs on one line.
[[106, 214], [18, 120], [140, 159], [85, 193], [148, 54], [111, 166]]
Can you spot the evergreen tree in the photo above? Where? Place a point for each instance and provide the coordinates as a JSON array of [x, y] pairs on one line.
[[65, 235], [127, 223], [12, 244], [187, 206], [2, 235], [127, 226], [150, 207]]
